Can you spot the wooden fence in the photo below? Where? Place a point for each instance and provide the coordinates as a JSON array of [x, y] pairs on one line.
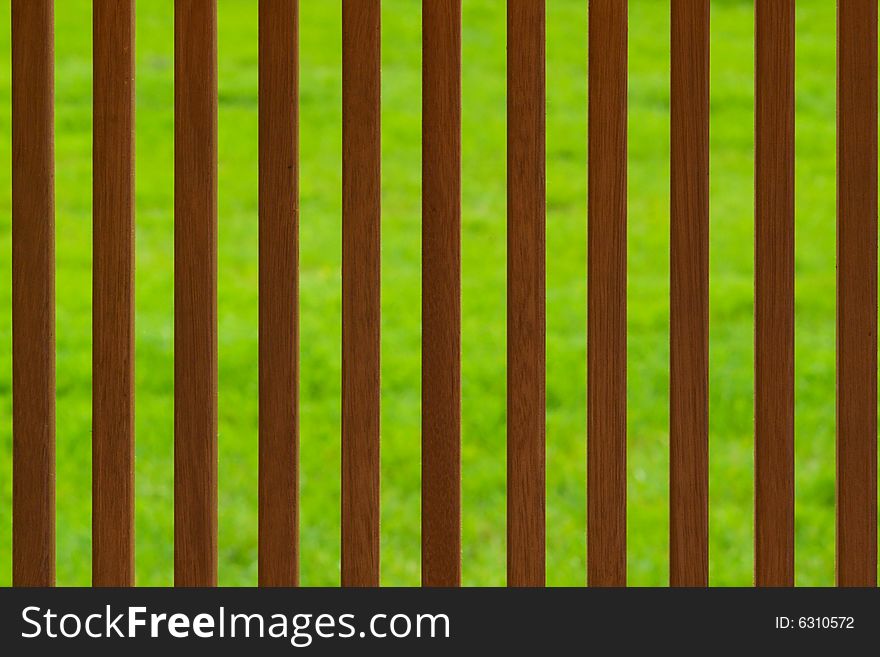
[[195, 326]]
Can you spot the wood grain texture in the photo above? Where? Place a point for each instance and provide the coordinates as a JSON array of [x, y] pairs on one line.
[[606, 281], [195, 292], [441, 293], [33, 294], [774, 292], [689, 302], [279, 294], [361, 212], [113, 295], [525, 293], [857, 293]]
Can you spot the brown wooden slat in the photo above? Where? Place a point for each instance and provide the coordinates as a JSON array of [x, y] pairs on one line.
[[113, 295], [525, 293], [195, 292], [279, 294], [857, 293], [33, 294], [441, 293], [689, 303], [774, 293], [606, 280], [361, 159]]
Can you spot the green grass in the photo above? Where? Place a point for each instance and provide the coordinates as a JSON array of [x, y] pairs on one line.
[[483, 293]]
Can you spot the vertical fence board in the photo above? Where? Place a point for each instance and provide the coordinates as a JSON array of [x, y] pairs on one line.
[[689, 302], [195, 292], [774, 293], [525, 293], [279, 294], [33, 294], [606, 280], [441, 293], [113, 295], [857, 293], [361, 202]]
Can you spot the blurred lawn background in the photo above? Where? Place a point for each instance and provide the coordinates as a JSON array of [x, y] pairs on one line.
[[483, 293]]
